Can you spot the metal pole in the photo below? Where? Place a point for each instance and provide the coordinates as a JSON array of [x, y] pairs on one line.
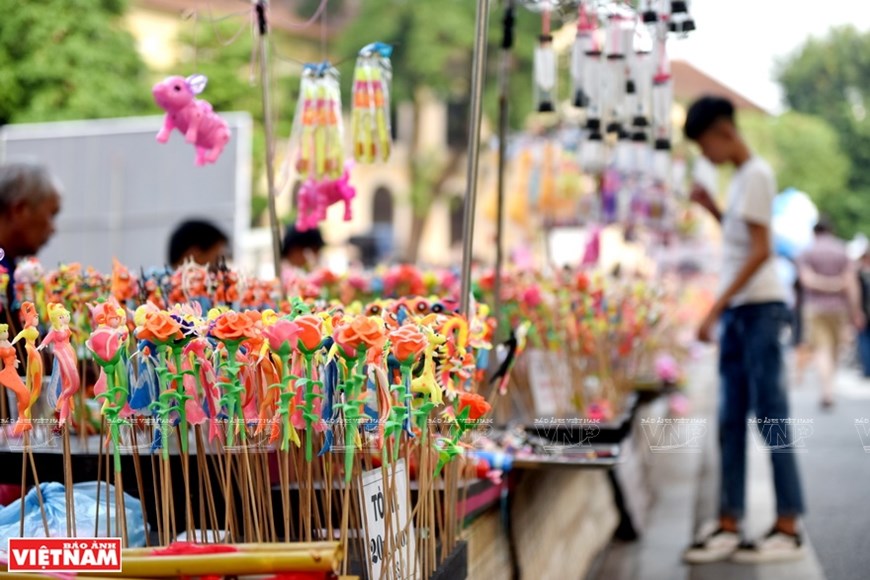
[[478, 71], [506, 45], [269, 130]]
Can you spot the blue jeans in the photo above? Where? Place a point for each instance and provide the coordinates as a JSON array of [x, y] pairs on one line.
[[864, 350], [753, 376]]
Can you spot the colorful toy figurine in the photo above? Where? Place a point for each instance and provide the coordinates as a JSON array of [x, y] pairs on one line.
[[315, 197], [28, 280], [370, 121], [30, 334], [194, 117], [65, 378], [9, 378]]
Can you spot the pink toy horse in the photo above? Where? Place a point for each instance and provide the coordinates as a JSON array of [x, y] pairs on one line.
[[193, 117], [315, 197]]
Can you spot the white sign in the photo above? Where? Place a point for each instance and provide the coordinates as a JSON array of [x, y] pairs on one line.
[[550, 381], [376, 503]]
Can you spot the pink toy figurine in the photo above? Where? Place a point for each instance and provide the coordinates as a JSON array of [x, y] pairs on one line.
[[315, 197], [193, 117], [65, 357]]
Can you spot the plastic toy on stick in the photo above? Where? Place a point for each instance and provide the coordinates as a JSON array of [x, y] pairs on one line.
[[317, 128], [195, 118], [370, 122]]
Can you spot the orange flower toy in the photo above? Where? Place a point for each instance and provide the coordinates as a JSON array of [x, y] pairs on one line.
[[407, 343], [309, 341], [359, 340], [170, 333], [469, 409], [231, 329]]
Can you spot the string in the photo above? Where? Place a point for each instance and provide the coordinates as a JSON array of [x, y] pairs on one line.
[[323, 31], [214, 21], [314, 17]]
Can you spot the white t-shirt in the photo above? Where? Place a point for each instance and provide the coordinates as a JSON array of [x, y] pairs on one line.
[[750, 200]]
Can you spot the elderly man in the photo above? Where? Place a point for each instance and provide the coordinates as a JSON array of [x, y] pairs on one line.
[[29, 202]]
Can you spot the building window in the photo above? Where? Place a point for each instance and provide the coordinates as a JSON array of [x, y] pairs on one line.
[[457, 217], [382, 206], [382, 222], [457, 124]]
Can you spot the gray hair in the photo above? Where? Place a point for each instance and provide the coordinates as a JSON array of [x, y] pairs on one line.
[[25, 181]]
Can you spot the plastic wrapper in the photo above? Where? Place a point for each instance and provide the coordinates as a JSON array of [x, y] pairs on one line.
[[592, 72], [318, 131], [370, 116], [545, 78], [615, 82], [85, 501], [593, 154], [639, 109], [584, 44]]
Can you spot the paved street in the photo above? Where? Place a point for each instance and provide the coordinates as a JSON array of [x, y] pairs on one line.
[[836, 473]]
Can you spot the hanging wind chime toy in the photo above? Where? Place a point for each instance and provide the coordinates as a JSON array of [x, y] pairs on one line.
[[681, 22], [195, 118], [370, 120], [317, 128], [545, 68], [584, 44], [592, 149], [319, 134], [662, 94]]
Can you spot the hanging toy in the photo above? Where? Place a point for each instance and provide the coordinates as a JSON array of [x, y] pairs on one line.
[[584, 44], [680, 21], [317, 127], [315, 197], [545, 68], [370, 121], [193, 117], [619, 44], [663, 98]]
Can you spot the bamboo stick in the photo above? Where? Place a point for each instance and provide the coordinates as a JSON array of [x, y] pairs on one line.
[[141, 487], [315, 559], [253, 548], [38, 493]]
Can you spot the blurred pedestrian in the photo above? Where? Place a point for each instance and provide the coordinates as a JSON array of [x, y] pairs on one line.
[[301, 248], [30, 200], [864, 334], [197, 240], [832, 298], [751, 311]]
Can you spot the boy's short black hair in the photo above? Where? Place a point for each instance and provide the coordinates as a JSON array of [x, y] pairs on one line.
[[199, 234], [704, 113], [303, 240], [823, 225]]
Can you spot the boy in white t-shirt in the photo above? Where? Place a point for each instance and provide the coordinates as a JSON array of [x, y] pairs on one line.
[[752, 312]]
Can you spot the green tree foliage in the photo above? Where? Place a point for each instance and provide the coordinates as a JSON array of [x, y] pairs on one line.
[[804, 151], [61, 61], [830, 78]]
